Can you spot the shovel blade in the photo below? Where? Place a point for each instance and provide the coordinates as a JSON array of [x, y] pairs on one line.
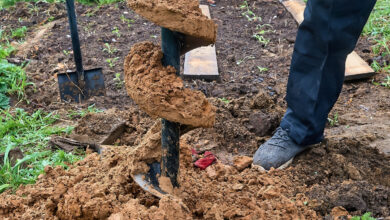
[[69, 87], [94, 82], [149, 181]]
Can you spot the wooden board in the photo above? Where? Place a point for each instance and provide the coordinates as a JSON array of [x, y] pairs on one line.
[[201, 63], [355, 66]]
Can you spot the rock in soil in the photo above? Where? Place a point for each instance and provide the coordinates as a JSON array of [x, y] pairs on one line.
[[242, 162]]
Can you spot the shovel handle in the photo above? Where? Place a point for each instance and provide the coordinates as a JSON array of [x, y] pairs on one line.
[[170, 132], [75, 37]]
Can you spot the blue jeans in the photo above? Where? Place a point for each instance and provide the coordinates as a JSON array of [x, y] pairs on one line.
[[327, 35]]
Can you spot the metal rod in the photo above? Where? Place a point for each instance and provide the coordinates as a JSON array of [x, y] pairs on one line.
[[170, 135], [75, 37]]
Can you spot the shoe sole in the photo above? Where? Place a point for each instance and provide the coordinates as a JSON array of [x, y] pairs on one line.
[[283, 166]]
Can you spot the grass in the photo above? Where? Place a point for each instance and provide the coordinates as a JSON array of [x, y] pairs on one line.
[[8, 3], [13, 79], [377, 29], [366, 216], [83, 112], [30, 133]]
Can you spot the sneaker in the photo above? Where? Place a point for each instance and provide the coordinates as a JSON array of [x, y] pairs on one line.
[[277, 152]]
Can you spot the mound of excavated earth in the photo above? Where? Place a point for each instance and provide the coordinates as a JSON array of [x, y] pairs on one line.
[[160, 93], [101, 187], [183, 16]]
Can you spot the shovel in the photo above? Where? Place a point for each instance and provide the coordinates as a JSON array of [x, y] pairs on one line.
[[170, 132], [82, 84]]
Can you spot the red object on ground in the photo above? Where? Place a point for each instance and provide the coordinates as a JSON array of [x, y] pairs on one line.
[[206, 161], [193, 151]]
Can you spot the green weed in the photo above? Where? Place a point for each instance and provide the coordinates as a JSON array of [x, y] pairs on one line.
[[262, 69], [110, 50], [19, 33], [6, 50], [111, 61], [224, 100], [118, 82], [244, 59], [248, 13], [116, 32], [126, 20], [366, 216], [83, 112], [334, 121]]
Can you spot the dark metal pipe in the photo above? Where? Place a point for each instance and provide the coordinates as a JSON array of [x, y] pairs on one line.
[[170, 135]]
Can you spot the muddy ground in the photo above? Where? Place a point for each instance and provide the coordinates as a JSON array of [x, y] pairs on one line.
[[351, 168]]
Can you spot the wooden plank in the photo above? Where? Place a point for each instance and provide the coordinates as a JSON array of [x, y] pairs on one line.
[[201, 63], [355, 66]]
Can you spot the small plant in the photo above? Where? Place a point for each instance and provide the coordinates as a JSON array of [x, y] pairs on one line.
[[93, 11], [116, 32], [107, 48], [19, 32], [334, 121], [118, 82], [51, 18], [83, 112], [6, 51], [248, 14], [225, 100], [126, 20], [262, 69], [244, 59], [66, 52], [153, 36], [259, 35], [111, 61], [366, 216]]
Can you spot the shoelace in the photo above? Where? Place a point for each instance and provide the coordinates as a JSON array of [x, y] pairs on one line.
[[279, 138]]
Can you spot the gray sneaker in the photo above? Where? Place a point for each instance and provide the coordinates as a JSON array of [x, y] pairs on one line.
[[277, 152]]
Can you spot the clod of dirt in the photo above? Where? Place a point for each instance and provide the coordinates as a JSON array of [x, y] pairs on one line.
[[160, 93], [357, 197], [183, 16], [263, 124], [242, 162]]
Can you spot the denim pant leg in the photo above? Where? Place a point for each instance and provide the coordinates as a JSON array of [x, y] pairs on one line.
[[327, 35]]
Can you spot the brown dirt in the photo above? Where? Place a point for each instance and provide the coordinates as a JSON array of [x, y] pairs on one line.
[[183, 16], [160, 93], [101, 187]]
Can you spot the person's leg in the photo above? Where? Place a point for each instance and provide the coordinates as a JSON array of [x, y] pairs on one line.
[[327, 35]]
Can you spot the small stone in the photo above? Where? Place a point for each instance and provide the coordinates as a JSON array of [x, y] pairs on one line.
[[238, 187], [242, 162], [211, 173]]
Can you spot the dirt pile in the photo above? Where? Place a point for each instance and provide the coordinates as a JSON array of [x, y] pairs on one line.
[[183, 16], [101, 187], [345, 172], [160, 93]]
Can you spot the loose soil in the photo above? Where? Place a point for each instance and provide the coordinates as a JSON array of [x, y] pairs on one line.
[[348, 169], [160, 93]]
